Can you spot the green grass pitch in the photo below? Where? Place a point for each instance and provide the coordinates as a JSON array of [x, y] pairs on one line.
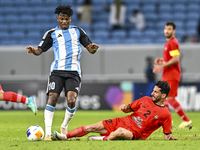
[[13, 126]]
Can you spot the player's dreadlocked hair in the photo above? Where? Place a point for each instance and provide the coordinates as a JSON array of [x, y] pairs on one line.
[[165, 88], [64, 9]]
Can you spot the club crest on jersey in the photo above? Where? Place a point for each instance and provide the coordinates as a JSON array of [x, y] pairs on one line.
[[156, 117]]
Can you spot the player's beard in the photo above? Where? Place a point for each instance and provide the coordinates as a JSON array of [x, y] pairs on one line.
[[169, 36], [156, 100]]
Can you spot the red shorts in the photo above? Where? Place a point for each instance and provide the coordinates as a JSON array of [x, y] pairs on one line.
[[113, 124], [173, 88]]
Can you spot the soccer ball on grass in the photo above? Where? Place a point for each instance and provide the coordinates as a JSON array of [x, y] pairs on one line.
[[35, 133]]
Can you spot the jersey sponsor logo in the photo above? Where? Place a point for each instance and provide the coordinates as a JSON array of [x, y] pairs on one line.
[[138, 120], [156, 117], [59, 35]]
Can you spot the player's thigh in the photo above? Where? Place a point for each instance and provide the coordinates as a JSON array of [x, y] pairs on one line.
[[173, 88], [97, 128], [72, 84], [55, 84]]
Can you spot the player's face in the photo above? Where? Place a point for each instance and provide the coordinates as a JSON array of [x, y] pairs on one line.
[[169, 31], [64, 21], [156, 94]]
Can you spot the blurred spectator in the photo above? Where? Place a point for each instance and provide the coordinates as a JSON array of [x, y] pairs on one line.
[[150, 76], [189, 39], [138, 20], [117, 14], [84, 12]]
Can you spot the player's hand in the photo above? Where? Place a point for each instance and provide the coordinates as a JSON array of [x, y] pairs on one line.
[[159, 61], [30, 49], [169, 137], [92, 48], [122, 107], [157, 68]]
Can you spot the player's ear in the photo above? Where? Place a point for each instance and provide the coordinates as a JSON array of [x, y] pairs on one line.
[[164, 95]]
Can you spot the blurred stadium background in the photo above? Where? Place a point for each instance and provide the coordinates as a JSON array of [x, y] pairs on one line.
[[115, 73]]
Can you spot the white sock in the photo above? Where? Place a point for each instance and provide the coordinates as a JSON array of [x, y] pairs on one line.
[[68, 117], [48, 119]]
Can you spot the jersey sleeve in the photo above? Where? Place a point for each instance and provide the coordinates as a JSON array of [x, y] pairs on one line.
[[47, 41], [84, 39], [167, 124], [174, 49], [136, 104]]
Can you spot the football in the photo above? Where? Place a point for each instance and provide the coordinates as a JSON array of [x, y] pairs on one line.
[[35, 133]]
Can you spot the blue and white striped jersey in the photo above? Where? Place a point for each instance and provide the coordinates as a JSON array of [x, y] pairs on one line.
[[66, 46]]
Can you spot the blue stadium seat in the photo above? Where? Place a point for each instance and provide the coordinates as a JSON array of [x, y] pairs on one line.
[[36, 3], [149, 1], [179, 24], [3, 27], [118, 34], [17, 27], [99, 2], [13, 19], [148, 8], [17, 35], [34, 27], [85, 26], [34, 34], [10, 10], [101, 34], [193, 7], [44, 18], [113, 41], [26, 19], [179, 8], [160, 40], [191, 31], [8, 42], [101, 26], [145, 40], [165, 16], [178, 17], [129, 41], [135, 34], [180, 33], [164, 8], [149, 34], [19, 3], [160, 25], [29, 41], [26, 10], [4, 35], [191, 24], [6, 3], [41, 10], [98, 40], [151, 16], [192, 16]]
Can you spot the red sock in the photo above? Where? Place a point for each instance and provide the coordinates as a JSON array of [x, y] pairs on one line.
[[166, 103], [178, 109], [0, 87], [78, 132], [13, 97], [105, 138]]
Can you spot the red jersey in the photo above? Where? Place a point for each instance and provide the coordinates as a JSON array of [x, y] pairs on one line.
[[173, 72], [148, 117]]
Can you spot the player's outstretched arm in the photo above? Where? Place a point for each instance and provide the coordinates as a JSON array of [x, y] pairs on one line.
[[125, 108], [92, 48], [169, 137], [35, 51]]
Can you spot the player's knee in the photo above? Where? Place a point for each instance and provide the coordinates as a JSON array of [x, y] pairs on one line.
[[71, 102], [120, 132], [91, 128]]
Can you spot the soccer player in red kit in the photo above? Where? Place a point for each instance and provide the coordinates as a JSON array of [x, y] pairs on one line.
[[149, 113], [171, 71], [14, 97]]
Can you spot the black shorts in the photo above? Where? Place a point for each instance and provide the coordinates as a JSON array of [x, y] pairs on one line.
[[59, 79]]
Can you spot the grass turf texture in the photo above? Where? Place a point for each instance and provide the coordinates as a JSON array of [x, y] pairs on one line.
[[13, 126]]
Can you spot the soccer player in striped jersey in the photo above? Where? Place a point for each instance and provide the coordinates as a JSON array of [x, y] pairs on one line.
[[172, 71], [65, 71], [148, 114], [14, 97]]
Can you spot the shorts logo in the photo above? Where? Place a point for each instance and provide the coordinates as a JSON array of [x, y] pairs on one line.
[[156, 117], [51, 86]]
